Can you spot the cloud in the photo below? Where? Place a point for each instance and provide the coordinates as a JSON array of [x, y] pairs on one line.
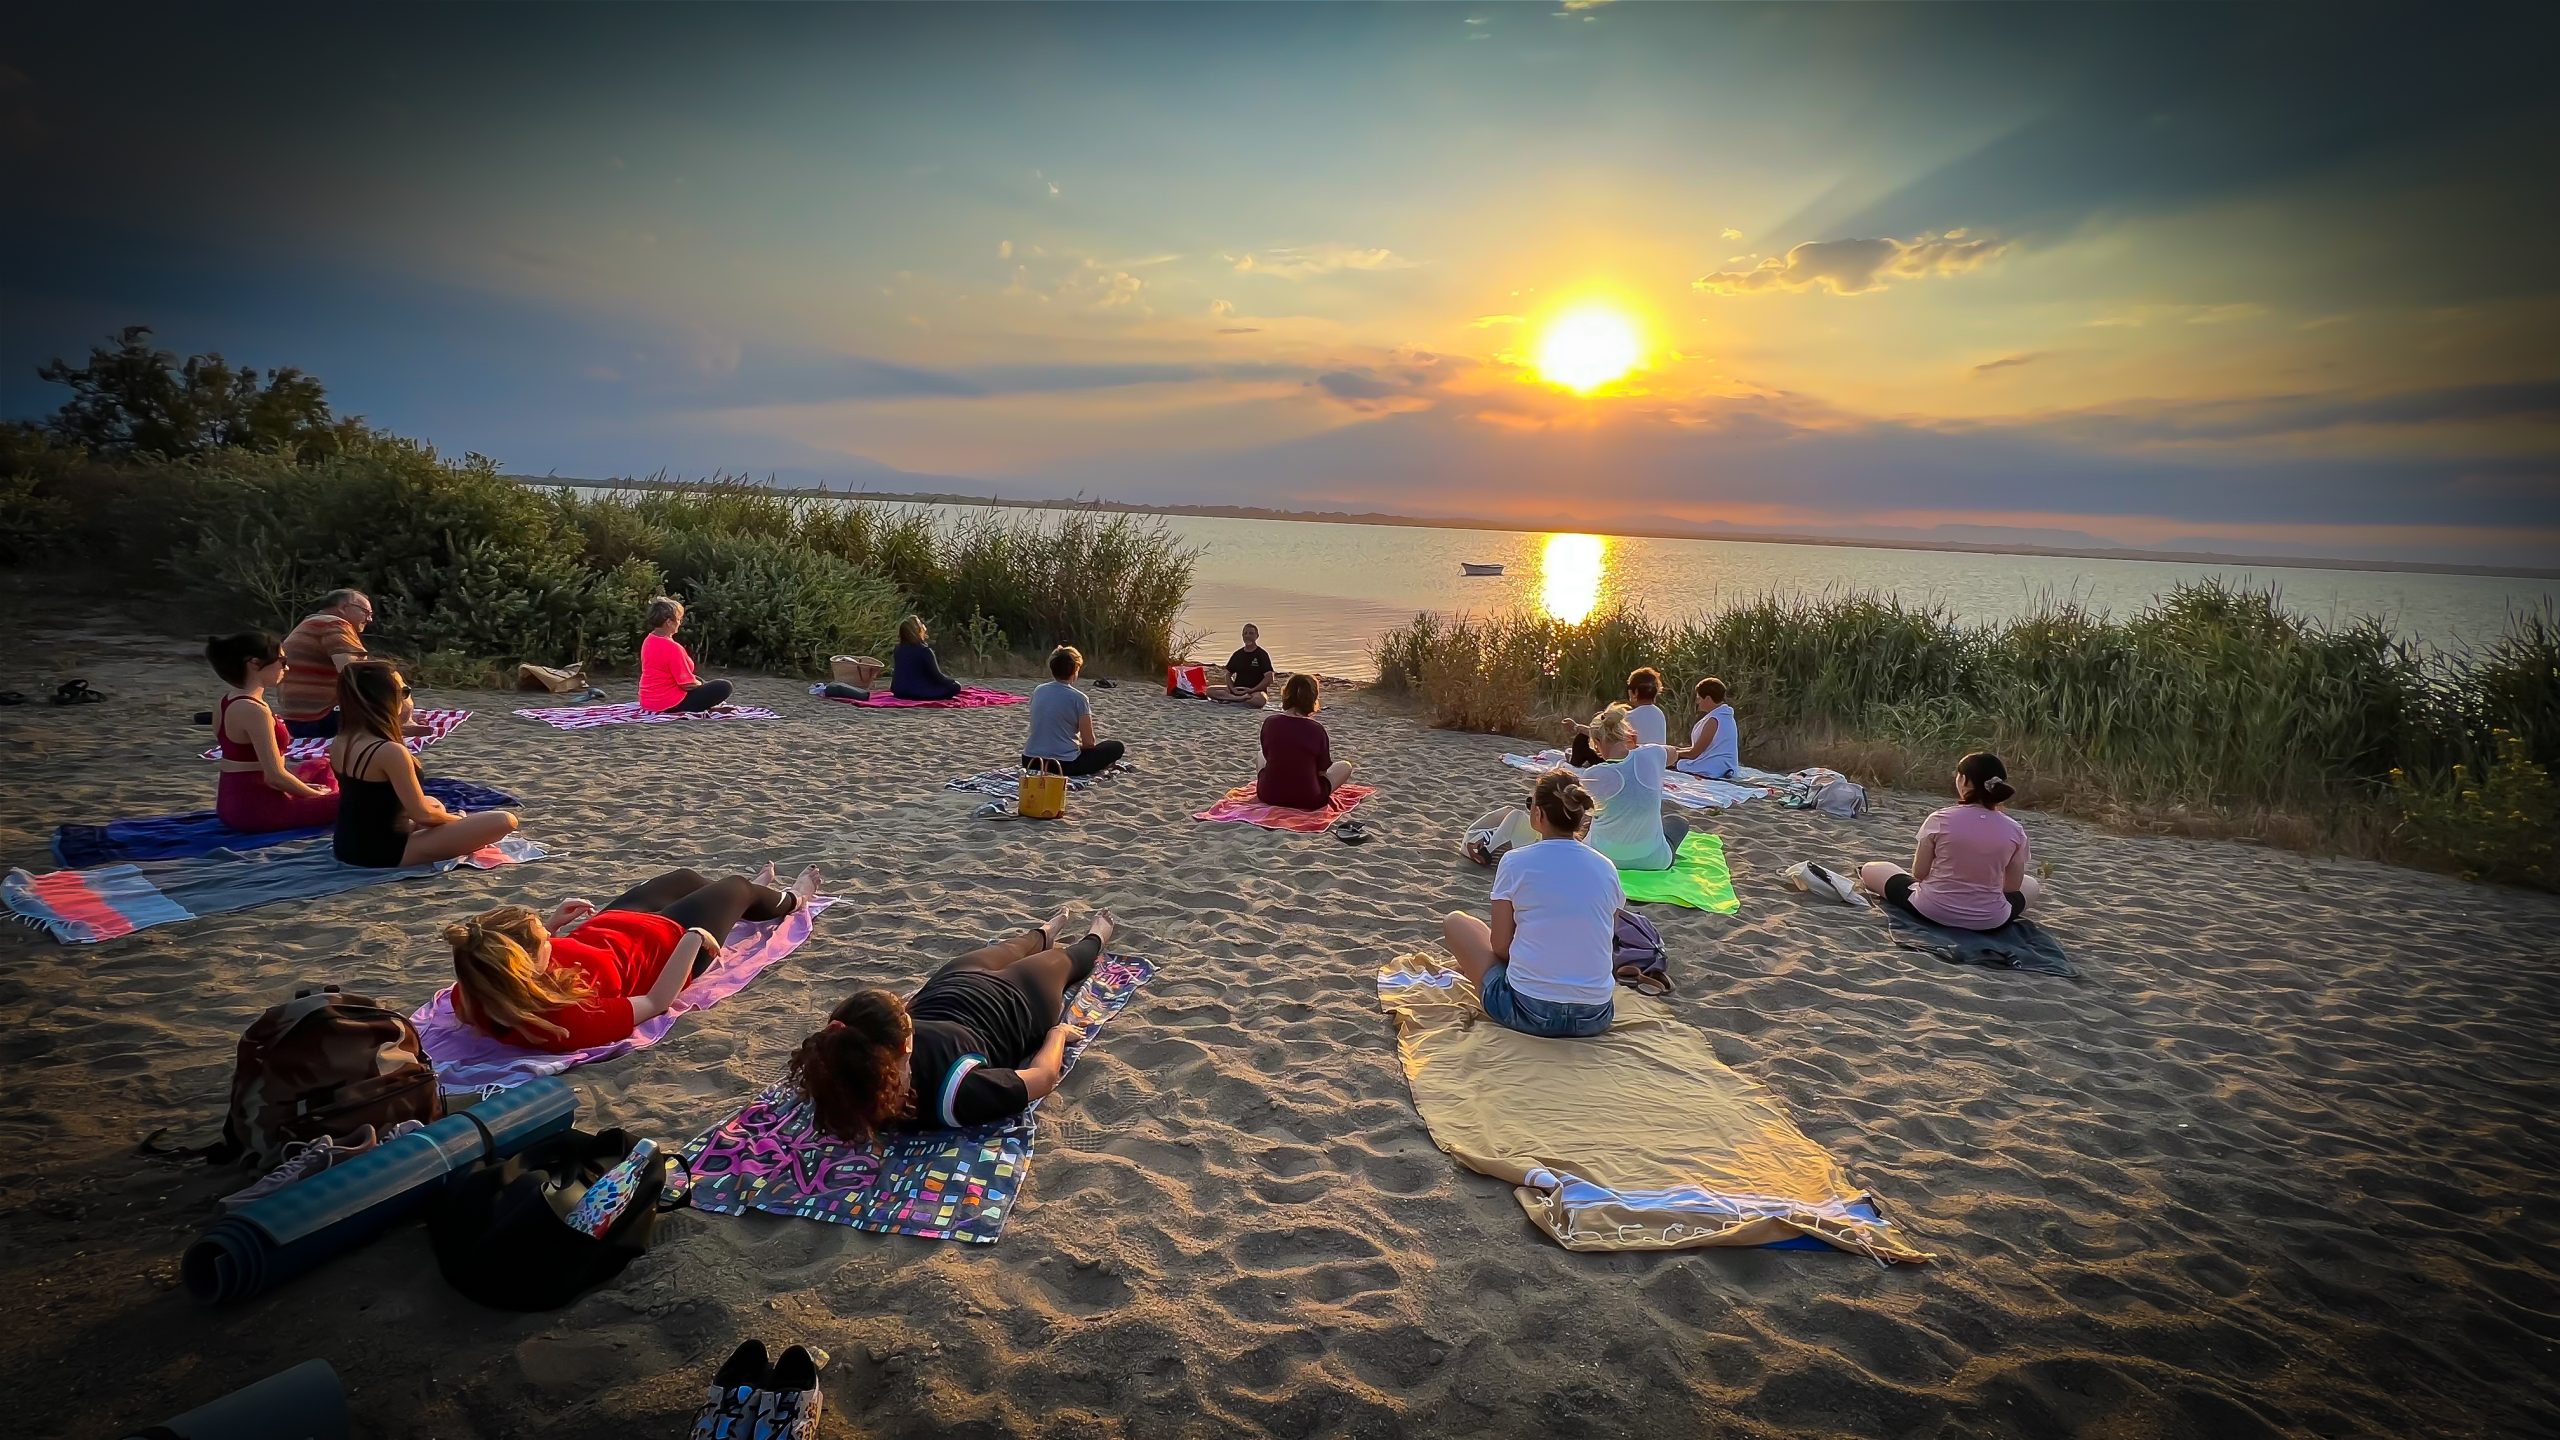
[[1856, 267], [1239, 330], [2138, 316], [1303, 262], [1044, 179], [2261, 417], [1479, 19], [1222, 308], [2010, 362], [1487, 322], [1004, 249], [1354, 385], [1730, 233]]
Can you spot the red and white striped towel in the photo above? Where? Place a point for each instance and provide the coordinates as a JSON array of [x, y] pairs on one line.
[[589, 717]]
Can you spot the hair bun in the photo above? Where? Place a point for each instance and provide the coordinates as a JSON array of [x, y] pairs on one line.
[[1998, 789]]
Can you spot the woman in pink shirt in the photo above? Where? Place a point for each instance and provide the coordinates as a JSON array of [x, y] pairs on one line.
[[667, 681], [1969, 870]]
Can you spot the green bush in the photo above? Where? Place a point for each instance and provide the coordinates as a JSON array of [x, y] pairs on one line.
[[2502, 823], [765, 603]]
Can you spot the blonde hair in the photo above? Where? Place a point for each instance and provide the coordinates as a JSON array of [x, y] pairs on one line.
[[1613, 726], [499, 978]]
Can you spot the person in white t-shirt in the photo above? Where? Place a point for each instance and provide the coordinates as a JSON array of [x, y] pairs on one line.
[[1644, 687], [1547, 964], [1715, 746], [1631, 831]]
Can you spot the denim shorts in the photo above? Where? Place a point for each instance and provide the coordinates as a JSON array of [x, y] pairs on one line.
[[1555, 1020]]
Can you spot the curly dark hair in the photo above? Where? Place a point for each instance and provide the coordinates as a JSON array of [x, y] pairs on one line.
[[854, 1070]]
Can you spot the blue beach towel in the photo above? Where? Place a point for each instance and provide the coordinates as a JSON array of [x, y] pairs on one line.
[[200, 832], [84, 907]]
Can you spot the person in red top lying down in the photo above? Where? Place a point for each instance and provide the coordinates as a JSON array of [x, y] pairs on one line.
[[535, 981]]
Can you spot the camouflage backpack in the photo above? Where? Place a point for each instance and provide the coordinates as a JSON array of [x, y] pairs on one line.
[[325, 1063]]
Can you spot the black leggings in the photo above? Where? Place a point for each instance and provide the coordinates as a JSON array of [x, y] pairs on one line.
[[701, 697], [1897, 892], [1042, 971], [1091, 760], [697, 903]]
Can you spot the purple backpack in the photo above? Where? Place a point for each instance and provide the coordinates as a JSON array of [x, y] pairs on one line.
[[1639, 960]]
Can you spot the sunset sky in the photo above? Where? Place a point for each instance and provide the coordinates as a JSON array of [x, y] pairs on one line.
[[2264, 278]]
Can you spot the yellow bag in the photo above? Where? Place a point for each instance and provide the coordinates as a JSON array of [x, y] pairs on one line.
[[1044, 793]]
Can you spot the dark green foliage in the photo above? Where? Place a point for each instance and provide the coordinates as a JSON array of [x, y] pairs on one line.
[[131, 401]]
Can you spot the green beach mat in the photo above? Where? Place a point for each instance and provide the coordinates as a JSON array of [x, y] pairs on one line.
[[1697, 878]]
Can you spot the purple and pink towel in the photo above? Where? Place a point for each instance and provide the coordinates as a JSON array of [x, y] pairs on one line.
[[1239, 805], [590, 717], [938, 1184], [970, 698], [468, 1058], [439, 723], [84, 907], [201, 832]]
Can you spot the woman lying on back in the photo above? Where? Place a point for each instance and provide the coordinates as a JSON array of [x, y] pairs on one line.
[[385, 816], [1969, 869], [258, 792], [519, 977], [982, 1039], [1547, 965]]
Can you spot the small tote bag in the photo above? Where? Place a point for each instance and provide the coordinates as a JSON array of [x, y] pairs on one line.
[[1044, 793]]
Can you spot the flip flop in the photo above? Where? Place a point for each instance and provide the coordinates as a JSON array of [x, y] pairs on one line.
[[1643, 982], [12, 697], [1351, 832], [997, 810], [76, 692]]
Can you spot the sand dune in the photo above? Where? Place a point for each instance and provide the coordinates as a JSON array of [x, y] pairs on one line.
[[2280, 1165]]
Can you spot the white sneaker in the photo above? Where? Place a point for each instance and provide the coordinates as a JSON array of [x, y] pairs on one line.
[[1814, 879], [302, 1160]]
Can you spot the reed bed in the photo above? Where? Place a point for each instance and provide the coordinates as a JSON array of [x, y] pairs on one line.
[[2211, 708]]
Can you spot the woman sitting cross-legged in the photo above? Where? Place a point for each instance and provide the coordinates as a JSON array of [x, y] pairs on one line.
[[983, 1038], [1969, 869], [533, 980], [258, 792], [386, 818], [914, 672], [667, 682], [1062, 722], [1547, 965], [1298, 768], [1631, 829]]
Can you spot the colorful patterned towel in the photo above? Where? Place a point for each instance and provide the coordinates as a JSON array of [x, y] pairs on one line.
[[590, 717], [1685, 790], [83, 907], [468, 1058], [439, 723], [1697, 878], [1239, 804], [969, 698], [201, 832], [1005, 782], [939, 1184]]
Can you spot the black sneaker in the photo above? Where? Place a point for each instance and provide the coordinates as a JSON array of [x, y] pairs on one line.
[[730, 1412]]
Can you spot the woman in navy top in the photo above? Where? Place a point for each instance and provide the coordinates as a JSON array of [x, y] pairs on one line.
[[914, 673]]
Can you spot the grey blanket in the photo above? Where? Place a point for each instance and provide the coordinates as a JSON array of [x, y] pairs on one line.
[[2019, 945]]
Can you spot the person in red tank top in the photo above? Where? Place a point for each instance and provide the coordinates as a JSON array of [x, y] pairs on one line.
[[258, 791], [581, 977]]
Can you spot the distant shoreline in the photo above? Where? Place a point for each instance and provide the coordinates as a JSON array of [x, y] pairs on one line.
[[1514, 527]]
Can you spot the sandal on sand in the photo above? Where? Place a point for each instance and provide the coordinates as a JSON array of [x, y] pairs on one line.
[[12, 697], [1351, 832], [997, 810], [76, 692]]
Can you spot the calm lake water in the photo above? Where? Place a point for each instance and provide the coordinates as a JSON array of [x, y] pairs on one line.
[[1322, 592]]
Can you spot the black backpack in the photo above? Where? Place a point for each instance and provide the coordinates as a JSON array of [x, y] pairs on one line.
[[499, 1232]]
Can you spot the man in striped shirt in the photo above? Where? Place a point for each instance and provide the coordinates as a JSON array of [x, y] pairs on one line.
[[322, 645]]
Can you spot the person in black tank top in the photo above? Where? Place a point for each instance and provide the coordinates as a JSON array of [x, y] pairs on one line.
[[980, 1041], [386, 818]]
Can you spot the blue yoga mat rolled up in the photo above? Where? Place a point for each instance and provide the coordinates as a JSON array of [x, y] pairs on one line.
[[269, 1241], [303, 1403]]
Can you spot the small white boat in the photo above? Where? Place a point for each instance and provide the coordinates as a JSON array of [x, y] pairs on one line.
[[1466, 569]]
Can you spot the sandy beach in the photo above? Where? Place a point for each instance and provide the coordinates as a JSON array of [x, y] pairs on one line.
[[2279, 1165]]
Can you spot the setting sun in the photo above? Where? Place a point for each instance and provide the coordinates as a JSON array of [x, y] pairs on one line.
[[1588, 347]]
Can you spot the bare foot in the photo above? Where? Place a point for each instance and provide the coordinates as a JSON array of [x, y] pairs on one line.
[[768, 877], [1104, 927], [1050, 927], [804, 888]]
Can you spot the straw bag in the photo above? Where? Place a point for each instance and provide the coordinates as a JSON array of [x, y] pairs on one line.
[[858, 671], [1044, 792], [558, 682]]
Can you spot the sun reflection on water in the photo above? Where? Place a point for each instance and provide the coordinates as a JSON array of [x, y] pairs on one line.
[[1571, 570]]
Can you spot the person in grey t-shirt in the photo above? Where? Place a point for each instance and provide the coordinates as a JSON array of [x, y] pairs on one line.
[[1062, 723]]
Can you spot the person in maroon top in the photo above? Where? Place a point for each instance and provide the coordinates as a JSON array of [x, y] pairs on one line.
[[1298, 768]]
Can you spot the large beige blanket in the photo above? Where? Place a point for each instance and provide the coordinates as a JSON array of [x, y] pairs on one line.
[[1634, 1140]]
